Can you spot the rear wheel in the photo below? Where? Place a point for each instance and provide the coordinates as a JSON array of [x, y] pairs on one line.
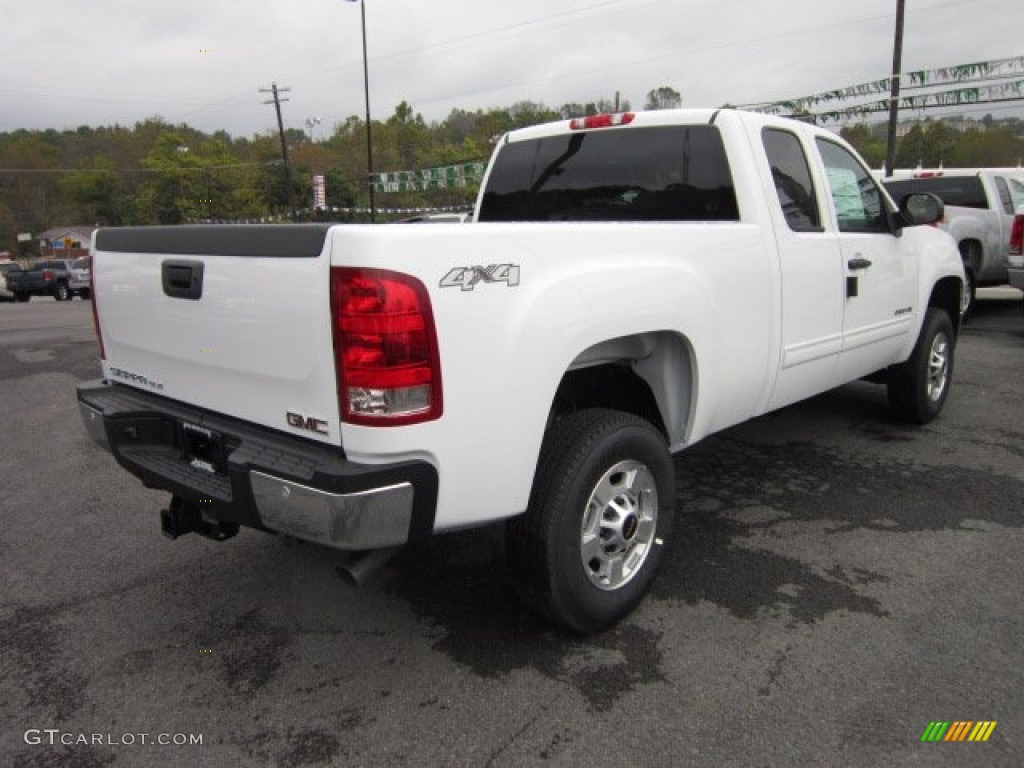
[[61, 292], [601, 511], [918, 388]]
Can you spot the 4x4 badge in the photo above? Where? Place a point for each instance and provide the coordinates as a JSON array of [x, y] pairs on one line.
[[466, 278]]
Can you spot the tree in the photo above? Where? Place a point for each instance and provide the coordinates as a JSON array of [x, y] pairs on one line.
[[939, 141], [992, 148], [406, 139], [663, 98], [911, 149], [92, 197], [168, 195], [864, 140]]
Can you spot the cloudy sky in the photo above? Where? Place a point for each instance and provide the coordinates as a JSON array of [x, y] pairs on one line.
[[65, 63]]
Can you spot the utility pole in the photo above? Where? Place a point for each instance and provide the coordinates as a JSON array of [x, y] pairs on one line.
[[369, 134], [894, 91], [369, 129], [276, 101]]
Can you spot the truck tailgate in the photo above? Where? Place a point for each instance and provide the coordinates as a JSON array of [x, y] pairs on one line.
[[234, 319]]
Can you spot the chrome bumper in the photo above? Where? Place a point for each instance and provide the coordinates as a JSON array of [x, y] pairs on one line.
[[366, 520], [263, 479]]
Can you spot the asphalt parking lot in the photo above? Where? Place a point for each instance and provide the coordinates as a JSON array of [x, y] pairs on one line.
[[838, 582]]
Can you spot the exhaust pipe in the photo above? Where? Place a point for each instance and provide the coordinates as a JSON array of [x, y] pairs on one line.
[[360, 566]]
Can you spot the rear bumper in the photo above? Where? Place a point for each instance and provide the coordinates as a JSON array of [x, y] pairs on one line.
[[1016, 277], [237, 472]]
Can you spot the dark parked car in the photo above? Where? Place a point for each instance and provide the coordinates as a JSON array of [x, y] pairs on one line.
[[60, 278]]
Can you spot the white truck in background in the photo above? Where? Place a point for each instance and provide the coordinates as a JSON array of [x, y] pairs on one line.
[[630, 284], [980, 207]]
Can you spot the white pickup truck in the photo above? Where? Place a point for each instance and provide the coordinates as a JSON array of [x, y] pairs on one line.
[[980, 205], [630, 284]]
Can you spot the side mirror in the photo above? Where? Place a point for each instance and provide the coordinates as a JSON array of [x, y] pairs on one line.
[[921, 208]]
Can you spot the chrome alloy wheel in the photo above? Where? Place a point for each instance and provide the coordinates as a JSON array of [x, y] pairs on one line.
[[938, 367], [619, 524]]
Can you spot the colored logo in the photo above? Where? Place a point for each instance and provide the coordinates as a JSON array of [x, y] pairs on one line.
[[958, 730]]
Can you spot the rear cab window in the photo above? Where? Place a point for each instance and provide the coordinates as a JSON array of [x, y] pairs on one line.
[[964, 191], [657, 173]]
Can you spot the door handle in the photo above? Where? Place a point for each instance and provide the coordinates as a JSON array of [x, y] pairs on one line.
[[858, 263]]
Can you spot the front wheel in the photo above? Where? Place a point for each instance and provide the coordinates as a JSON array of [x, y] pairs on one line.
[[918, 388], [22, 297], [600, 514]]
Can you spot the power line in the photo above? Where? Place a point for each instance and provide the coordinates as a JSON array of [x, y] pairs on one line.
[[124, 171]]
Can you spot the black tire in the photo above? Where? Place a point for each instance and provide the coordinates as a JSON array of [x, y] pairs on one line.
[[84, 293], [22, 297], [918, 388], [970, 254], [582, 451], [969, 295], [61, 292]]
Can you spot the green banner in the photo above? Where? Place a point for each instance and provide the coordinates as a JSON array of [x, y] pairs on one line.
[[425, 179]]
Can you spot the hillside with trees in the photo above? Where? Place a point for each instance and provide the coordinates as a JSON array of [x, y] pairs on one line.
[[157, 173], [933, 143]]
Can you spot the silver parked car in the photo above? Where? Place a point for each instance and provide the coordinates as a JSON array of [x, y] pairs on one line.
[[80, 277], [5, 267]]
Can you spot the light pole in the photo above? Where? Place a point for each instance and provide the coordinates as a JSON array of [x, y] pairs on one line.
[[369, 130], [311, 123], [894, 91]]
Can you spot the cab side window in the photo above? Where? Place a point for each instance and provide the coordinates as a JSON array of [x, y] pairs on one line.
[[860, 206], [1004, 195], [792, 177]]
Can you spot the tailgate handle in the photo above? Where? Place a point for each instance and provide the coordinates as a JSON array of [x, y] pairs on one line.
[[182, 279]]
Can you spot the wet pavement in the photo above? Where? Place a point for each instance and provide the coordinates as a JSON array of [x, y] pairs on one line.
[[837, 581]]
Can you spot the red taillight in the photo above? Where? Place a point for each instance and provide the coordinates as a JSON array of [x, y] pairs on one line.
[[95, 315], [601, 121], [1017, 235], [47, 275], [385, 348]]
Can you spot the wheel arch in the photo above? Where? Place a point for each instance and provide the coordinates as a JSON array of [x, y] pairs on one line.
[[946, 296], [970, 247], [652, 375]]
